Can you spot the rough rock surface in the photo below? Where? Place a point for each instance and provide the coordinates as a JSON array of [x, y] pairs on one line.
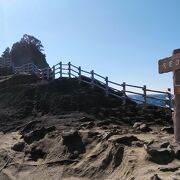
[[19, 146], [72, 131], [158, 154]]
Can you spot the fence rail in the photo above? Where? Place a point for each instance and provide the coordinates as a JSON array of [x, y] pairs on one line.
[[5, 62], [93, 79], [121, 90]]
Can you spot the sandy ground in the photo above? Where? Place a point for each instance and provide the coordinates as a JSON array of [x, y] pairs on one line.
[[100, 159], [63, 130]]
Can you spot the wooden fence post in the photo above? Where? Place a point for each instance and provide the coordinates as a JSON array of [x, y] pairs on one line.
[[60, 69], [47, 73], [79, 78], [107, 87], [168, 99], [92, 78], [33, 68], [144, 94], [124, 93], [13, 68], [69, 69], [53, 73]]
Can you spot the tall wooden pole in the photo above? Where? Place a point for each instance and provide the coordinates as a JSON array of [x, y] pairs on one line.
[[176, 81]]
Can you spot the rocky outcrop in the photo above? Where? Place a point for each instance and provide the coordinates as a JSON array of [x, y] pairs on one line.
[[28, 50], [159, 155], [23, 53]]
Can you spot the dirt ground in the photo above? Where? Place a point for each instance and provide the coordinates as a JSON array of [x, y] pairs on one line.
[[76, 137]]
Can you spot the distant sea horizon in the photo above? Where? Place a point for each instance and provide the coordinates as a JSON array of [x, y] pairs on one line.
[[150, 101]]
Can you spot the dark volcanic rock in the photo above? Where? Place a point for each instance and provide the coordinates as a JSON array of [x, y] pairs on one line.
[[170, 168], [37, 153], [165, 144], [155, 177], [73, 142], [118, 156], [123, 139], [144, 128], [33, 98], [29, 126], [19, 146], [159, 155], [177, 152], [169, 129], [35, 135]]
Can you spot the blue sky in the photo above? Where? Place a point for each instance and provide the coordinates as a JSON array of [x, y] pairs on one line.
[[123, 39]]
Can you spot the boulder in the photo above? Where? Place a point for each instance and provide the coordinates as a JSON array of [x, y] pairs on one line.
[[29, 126], [73, 141], [159, 155], [144, 128], [123, 139], [164, 144], [169, 129], [36, 153], [155, 177], [177, 152], [35, 135], [118, 156], [19, 146]]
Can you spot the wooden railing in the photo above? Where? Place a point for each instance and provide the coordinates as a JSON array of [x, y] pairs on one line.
[[5, 62], [119, 90], [110, 88], [45, 73]]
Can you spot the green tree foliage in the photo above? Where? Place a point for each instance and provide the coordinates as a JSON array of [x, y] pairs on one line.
[[6, 53], [31, 40], [28, 50]]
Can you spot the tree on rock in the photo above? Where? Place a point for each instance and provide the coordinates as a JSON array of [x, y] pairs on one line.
[[31, 40], [6, 53], [28, 50]]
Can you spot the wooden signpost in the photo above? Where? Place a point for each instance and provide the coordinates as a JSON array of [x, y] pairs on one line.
[[173, 64]]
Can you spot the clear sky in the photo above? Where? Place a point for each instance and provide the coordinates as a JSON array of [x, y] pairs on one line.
[[123, 39]]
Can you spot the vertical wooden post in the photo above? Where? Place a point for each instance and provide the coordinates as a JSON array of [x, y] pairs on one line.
[[92, 78], [124, 93], [30, 68], [60, 69], [69, 69], [107, 87], [79, 78], [168, 98], [144, 94], [53, 73], [47, 73], [176, 79], [13, 69]]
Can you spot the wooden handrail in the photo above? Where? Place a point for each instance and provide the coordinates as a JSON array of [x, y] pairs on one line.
[[99, 76], [105, 84]]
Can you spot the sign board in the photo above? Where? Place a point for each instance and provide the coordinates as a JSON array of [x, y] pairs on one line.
[[168, 64], [173, 64], [165, 65]]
